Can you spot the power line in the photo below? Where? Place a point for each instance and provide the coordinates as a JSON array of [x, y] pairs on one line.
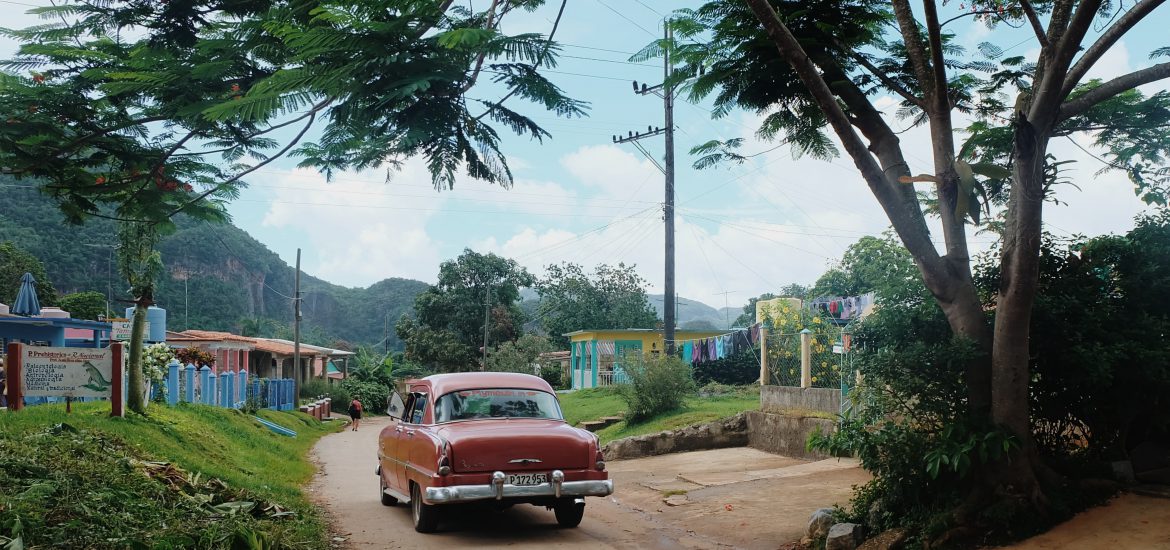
[[632, 22], [609, 61]]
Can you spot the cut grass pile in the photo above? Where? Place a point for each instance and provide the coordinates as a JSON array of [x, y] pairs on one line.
[[595, 403], [189, 476]]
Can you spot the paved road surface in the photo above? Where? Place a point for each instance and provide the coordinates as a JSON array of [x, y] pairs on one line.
[[347, 487]]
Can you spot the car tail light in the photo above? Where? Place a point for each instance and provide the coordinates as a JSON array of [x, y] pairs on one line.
[[600, 464], [444, 460]]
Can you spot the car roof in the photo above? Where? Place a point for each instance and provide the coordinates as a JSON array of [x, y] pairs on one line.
[[442, 384]]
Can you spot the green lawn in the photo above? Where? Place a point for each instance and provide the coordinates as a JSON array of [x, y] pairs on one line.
[[77, 480], [595, 403]]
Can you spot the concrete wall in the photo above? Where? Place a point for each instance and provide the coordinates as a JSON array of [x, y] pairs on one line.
[[794, 400], [785, 435]]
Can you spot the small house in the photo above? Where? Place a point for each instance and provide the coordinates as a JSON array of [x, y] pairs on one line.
[[595, 356]]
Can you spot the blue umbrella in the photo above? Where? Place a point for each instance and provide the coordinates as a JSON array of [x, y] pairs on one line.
[[26, 298]]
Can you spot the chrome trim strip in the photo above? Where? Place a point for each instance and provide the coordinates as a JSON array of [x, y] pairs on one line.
[[470, 493]]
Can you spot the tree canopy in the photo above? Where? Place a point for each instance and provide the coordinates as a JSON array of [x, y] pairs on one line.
[[14, 263], [183, 100], [610, 297], [447, 330], [872, 264]]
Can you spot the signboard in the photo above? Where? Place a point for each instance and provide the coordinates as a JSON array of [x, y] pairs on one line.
[[37, 371], [838, 349], [121, 329], [67, 372]]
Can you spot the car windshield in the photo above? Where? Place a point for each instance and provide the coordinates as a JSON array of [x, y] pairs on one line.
[[496, 403]]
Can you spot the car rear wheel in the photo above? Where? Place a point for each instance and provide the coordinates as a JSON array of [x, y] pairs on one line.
[[569, 512], [426, 516], [387, 500]]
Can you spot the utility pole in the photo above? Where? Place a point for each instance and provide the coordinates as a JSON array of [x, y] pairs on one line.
[[666, 92], [297, 330], [487, 308], [726, 314]]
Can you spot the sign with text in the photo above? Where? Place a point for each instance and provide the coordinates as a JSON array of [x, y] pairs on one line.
[[67, 372], [121, 330]]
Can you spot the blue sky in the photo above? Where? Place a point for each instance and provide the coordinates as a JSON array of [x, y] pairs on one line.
[[741, 231]]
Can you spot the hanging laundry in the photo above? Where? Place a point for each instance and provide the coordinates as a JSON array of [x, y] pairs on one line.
[[719, 347], [686, 352]]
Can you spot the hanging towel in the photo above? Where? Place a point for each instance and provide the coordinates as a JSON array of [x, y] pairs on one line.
[[695, 351], [687, 351], [719, 347]]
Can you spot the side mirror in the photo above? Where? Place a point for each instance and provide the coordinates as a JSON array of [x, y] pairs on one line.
[[395, 407]]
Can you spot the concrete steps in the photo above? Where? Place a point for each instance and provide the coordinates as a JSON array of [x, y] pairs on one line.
[[600, 424]]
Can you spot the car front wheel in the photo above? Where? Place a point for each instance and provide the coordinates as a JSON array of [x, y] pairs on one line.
[[569, 512], [426, 516]]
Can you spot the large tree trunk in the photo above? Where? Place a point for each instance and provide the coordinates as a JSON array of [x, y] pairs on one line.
[[1020, 268]]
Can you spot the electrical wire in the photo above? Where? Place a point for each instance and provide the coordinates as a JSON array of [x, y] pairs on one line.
[[623, 16]]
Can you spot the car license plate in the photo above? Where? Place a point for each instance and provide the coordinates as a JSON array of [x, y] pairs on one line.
[[527, 479]]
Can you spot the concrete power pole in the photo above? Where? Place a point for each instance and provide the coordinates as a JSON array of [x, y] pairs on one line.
[[297, 330], [666, 92], [487, 308]]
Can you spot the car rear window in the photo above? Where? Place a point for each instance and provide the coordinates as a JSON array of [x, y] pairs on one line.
[[496, 403]]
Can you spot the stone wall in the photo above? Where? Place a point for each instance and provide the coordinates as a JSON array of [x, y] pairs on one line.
[[785, 434], [729, 432], [790, 400]]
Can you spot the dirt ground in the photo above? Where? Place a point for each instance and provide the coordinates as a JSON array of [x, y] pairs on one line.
[[1128, 521], [727, 498]]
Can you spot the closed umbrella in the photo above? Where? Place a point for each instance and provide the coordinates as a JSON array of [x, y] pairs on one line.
[[26, 303]]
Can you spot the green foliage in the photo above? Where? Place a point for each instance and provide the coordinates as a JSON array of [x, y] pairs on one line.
[[14, 263], [872, 264], [658, 384], [611, 297], [184, 477], [84, 305], [519, 355], [373, 395], [555, 376], [1098, 334], [447, 330], [176, 115], [743, 368]]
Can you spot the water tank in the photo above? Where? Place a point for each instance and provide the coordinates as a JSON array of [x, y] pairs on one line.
[[157, 317]]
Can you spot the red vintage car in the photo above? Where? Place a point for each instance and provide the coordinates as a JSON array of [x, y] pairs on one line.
[[486, 437]]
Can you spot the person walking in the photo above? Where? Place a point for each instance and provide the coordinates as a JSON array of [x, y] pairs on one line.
[[355, 413]]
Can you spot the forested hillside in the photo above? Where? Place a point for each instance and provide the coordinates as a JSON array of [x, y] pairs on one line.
[[217, 276]]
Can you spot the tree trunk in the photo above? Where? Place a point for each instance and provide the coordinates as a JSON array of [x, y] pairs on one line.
[[1020, 268], [134, 399]]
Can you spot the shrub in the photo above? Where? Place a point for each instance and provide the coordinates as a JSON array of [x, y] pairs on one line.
[[736, 370], [554, 375], [372, 395], [657, 384], [314, 388]]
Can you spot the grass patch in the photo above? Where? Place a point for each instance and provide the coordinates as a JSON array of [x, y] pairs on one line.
[[594, 403], [673, 492], [79, 480], [697, 411], [591, 404]]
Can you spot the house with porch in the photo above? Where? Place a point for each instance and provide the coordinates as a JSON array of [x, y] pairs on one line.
[[596, 356]]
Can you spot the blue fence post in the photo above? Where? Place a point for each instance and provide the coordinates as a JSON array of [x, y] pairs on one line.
[[190, 397], [173, 382], [212, 390], [204, 384], [243, 385], [229, 386], [269, 391], [289, 404]]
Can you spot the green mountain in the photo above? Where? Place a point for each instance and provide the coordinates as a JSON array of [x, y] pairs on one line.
[[217, 276]]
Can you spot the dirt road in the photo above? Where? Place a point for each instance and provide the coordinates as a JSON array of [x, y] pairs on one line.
[[728, 498]]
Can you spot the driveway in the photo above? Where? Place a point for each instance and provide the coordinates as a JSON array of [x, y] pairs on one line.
[[730, 498]]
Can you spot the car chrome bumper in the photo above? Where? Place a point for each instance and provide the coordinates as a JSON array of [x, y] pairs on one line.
[[557, 487]]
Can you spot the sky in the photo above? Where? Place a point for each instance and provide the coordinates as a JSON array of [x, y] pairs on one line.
[[740, 230]]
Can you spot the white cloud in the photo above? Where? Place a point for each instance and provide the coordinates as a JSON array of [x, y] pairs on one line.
[[360, 229]]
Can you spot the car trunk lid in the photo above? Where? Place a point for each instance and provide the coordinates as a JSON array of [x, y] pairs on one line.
[[511, 445]]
